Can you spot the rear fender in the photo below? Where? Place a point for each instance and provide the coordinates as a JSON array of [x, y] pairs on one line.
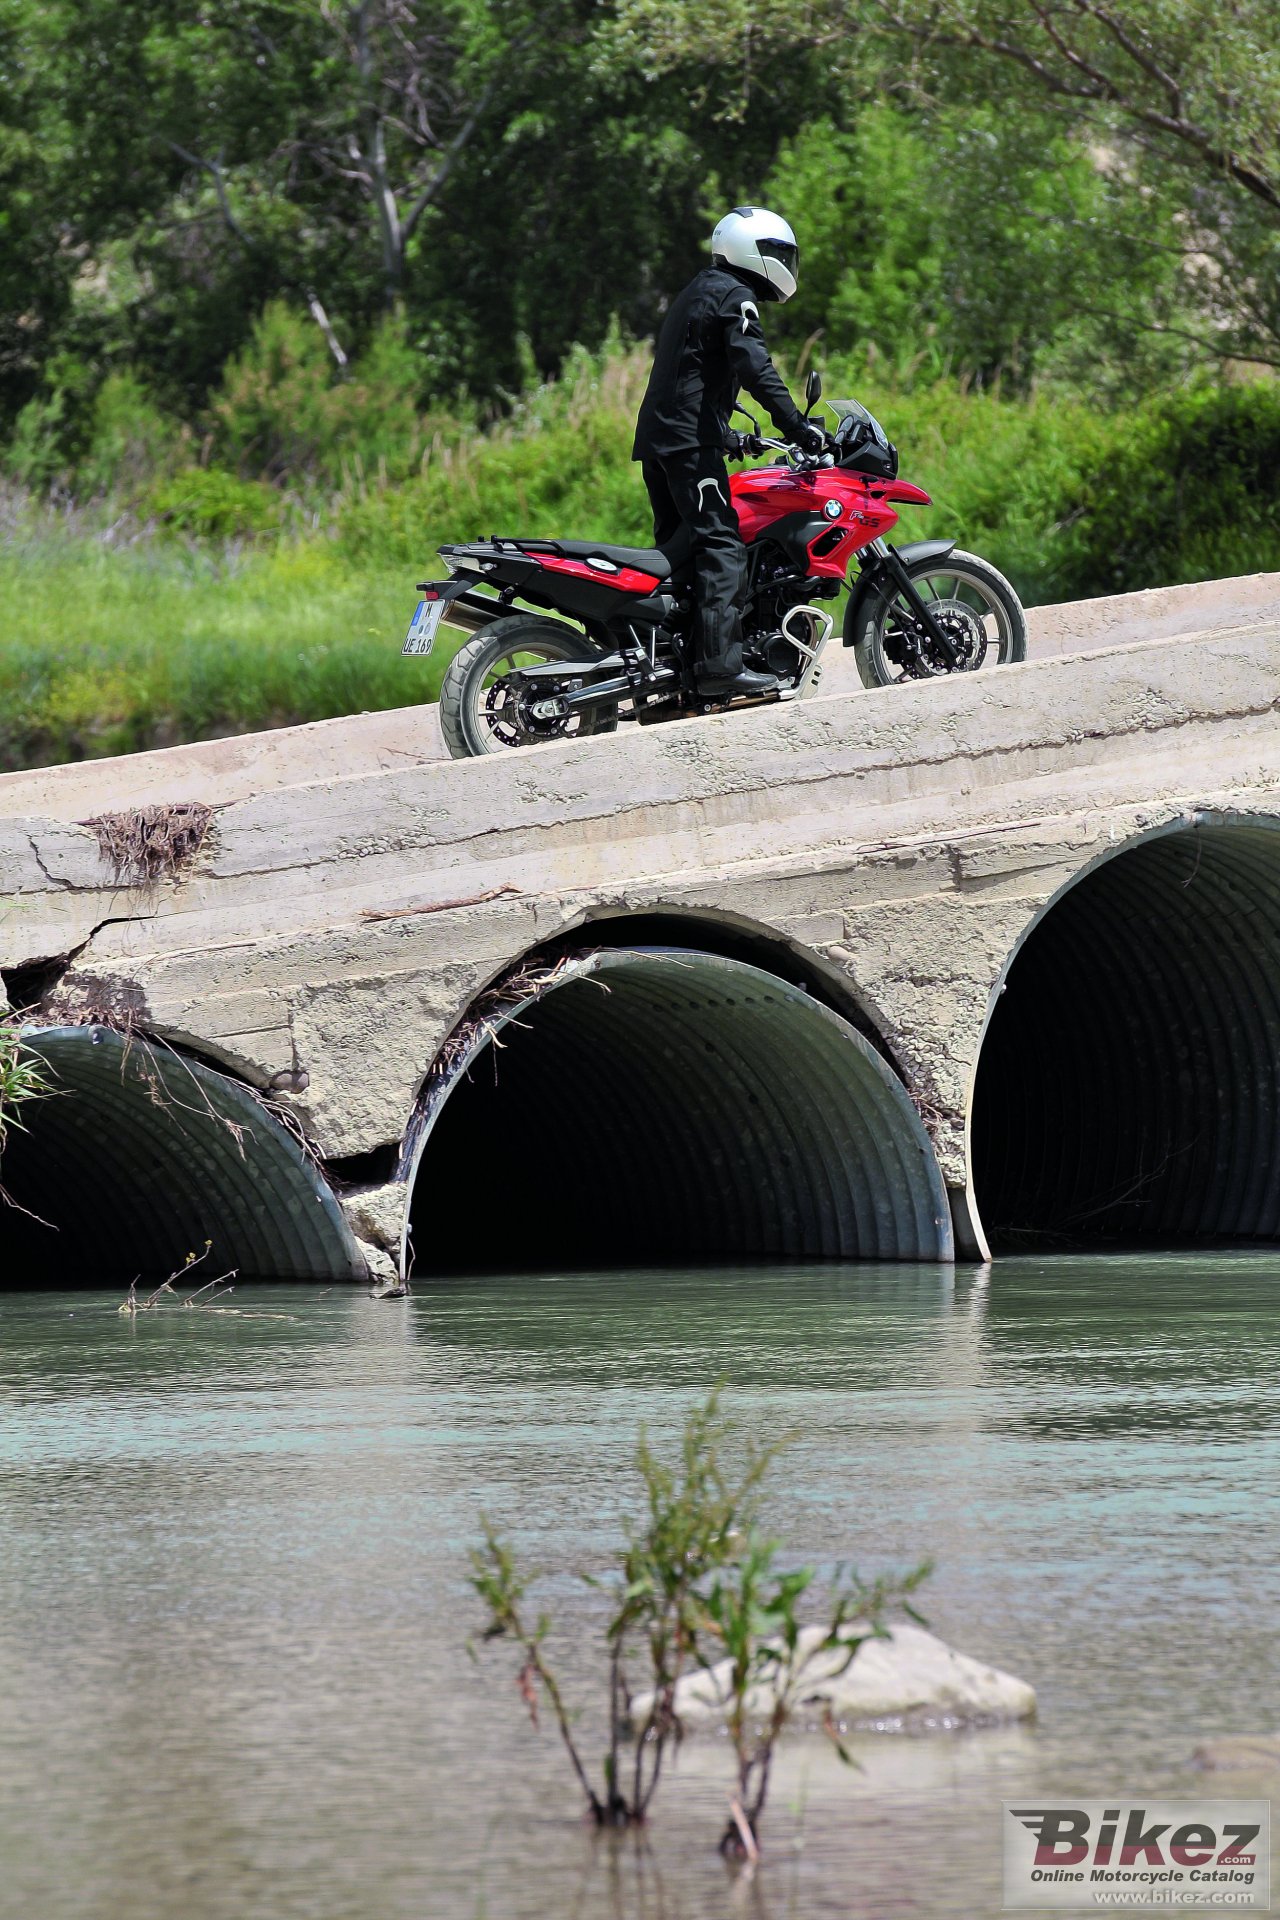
[[870, 581]]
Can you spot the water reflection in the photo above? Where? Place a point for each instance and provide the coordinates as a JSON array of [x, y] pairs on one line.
[[232, 1581]]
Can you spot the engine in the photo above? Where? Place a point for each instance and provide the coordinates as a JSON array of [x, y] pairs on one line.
[[779, 616]]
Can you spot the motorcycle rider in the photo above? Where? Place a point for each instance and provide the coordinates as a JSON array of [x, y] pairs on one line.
[[711, 345]]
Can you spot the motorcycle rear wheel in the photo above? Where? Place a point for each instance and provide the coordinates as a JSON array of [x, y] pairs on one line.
[[476, 718], [976, 587]]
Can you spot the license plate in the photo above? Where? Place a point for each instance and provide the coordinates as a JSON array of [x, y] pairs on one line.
[[421, 636]]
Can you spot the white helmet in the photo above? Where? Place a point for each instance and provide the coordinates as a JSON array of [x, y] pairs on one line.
[[759, 243]]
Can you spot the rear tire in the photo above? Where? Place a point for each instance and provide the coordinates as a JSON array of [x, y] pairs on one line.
[[467, 713], [972, 580]]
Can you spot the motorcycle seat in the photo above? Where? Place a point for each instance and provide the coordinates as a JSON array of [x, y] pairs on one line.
[[661, 562]]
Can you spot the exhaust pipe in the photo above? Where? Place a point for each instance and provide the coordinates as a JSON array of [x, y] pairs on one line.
[[471, 612]]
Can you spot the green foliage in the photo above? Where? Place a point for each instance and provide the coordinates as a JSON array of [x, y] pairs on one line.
[[696, 1583], [1171, 106], [933, 241], [560, 464], [1191, 484], [281, 409], [461, 186], [872, 262], [492, 173], [22, 1080], [36, 452], [97, 434], [208, 503], [692, 1527], [754, 1618], [131, 441]]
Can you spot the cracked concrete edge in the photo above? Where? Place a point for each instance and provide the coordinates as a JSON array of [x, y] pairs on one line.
[[376, 1216]]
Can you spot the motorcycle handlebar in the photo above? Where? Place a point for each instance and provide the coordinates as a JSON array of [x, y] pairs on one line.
[[799, 458]]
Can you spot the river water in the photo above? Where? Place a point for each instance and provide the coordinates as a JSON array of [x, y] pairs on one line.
[[234, 1613]]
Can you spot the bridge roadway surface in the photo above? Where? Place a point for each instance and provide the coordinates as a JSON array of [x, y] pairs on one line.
[[992, 956]]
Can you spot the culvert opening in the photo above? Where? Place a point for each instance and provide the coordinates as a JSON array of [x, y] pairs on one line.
[[1128, 1088], [656, 1106], [139, 1156], [675, 930]]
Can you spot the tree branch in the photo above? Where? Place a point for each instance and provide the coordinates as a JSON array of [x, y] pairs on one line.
[[1149, 64], [325, 325], [1102, 89], [214, 169], [974, 40], [445, 168], [1223, 348]]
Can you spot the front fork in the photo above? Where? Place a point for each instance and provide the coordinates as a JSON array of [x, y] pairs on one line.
[[897, 572]]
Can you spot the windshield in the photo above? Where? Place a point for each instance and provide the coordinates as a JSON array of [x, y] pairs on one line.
[[853, 415]]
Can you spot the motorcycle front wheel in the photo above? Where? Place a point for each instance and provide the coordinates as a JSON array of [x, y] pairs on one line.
[[969, 596], [479, 712]]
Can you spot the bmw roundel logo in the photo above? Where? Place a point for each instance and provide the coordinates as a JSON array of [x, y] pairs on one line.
[[832, 509]]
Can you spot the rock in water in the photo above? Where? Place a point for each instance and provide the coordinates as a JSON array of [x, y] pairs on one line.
[[907, 1681]]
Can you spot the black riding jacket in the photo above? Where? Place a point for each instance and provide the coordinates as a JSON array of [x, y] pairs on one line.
[[711, 345]]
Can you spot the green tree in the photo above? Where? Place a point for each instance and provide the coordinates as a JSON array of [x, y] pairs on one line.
[[467, 163], [35, 271], [1176, 103]]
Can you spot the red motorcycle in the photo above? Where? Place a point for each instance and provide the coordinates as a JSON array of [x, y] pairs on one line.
[[572, 636]]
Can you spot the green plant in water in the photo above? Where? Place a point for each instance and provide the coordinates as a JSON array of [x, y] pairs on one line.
[[696, 1589], [771, 1659]]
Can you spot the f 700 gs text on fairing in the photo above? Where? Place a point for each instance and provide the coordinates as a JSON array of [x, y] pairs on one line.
[[573, 636]]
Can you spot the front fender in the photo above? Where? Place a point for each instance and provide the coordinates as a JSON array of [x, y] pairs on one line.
[[871, 580]]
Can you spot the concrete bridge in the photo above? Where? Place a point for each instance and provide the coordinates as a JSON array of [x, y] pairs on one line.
[[894, 975]]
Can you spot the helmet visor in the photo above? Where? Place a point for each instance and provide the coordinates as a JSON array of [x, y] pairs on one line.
[[784, 251]]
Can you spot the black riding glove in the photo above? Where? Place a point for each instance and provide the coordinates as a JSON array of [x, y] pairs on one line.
[[809, 437]]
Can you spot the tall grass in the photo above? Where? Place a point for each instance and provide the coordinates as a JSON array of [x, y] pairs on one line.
[[108, 648]]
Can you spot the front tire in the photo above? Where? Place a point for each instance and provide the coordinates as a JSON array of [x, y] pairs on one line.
[[476, 718], [972, 590]]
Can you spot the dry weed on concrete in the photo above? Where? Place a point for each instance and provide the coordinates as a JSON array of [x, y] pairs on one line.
[[152, 843]]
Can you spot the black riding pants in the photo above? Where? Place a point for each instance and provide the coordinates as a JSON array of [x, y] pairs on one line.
[[692, 489]]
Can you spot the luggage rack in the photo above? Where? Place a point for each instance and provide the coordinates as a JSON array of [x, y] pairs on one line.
[[509, 540]]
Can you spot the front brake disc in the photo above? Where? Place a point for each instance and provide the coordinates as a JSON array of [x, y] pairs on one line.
[[963, 627], [911, 648]]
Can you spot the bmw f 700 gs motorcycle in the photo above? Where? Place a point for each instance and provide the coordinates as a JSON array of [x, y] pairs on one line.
[[571, 636]]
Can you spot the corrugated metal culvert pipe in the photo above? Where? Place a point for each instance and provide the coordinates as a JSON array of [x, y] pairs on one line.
[[663, 1105], [140, 1155], [1129, 1083]]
